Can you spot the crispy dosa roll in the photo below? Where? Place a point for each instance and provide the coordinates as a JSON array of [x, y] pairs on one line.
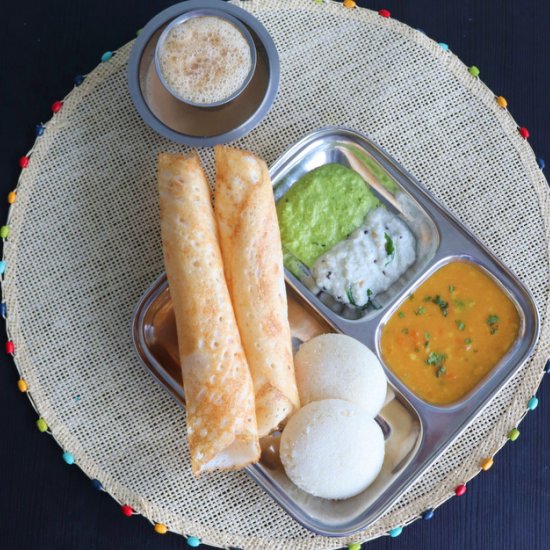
[[221, 423], [253, 264]]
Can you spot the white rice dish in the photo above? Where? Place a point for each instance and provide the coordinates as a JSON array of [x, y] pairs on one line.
[[368, 262], [332, 449], [336, 366]]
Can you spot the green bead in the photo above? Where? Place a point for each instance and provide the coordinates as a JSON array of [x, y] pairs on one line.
[[4, 232], [355, 546], [513, 435], [473, 70], [41, 425], [138, 32]]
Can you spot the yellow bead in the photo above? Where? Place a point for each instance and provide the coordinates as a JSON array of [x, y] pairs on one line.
[[350, 4], [22, 385], [161, 529], [486, 464], [502, 102], [11, 197]]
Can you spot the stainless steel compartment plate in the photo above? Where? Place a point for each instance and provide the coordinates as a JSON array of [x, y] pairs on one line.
[[416, 432]]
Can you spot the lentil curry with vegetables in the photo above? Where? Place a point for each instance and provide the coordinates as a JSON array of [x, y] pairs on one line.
[[446, 336]]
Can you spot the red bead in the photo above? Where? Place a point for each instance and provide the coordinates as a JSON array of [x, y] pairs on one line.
[[56, 106], [24, 162], [384, 13], [10, 348], [523, 132], [126, 510], [460, 490]]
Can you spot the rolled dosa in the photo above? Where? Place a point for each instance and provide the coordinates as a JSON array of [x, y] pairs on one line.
[[219, 395], [253, 263]]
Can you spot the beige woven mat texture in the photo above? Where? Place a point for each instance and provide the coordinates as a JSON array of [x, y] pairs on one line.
[[85, 244]]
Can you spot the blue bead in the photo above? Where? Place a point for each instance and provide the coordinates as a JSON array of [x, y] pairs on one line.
[[39, 130], [68, 458], [444, 46], [428, 514], [541, 163], [106, 56], [395, 532], [78, 80], [97, 485], [546, 367], [2, 266], [3, 309], [533, 403], [194, 542]]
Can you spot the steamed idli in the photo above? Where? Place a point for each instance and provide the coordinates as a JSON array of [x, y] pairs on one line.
[[332, 449], [336, 366]]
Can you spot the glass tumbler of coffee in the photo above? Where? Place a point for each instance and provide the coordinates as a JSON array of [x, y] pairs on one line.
[[205, 58]]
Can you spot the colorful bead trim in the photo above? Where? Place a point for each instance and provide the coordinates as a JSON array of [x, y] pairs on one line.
[[41, 424], [126, 510], [460, 490], [350, 4], [523, 132], [395, 532], [97, 485], [68, 458], [384, 13], [428, 514], [161, 529], [502, 102], [533, 403], [474, 71]]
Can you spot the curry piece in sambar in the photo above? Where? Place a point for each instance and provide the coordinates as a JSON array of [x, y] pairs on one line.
[[446, 336]]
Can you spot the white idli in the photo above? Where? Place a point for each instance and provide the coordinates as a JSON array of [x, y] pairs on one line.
[[336, 366], [332, 449]]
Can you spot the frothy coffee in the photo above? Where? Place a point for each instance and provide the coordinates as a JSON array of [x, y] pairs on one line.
[[205, 59]]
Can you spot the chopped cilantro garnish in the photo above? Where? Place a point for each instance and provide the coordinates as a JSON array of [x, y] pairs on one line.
[[428, 299], [440, 371], [401, 314], [405, 330], [468, 341], [460, 325], [451, 289], [436, 359], [349, 292], [427, 335], [411, 296], [493, 321], [441, 303], [389, 246], [420, 311]]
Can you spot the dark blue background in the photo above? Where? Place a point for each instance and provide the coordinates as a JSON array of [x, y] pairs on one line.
[[46, 504]]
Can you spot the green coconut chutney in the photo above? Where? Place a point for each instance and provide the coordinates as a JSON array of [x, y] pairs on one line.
[[321, 209]]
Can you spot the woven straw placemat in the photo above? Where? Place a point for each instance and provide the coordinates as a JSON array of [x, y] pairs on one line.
[[84, 244]]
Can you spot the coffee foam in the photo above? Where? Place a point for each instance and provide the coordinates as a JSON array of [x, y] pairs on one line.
[[205, 59]]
